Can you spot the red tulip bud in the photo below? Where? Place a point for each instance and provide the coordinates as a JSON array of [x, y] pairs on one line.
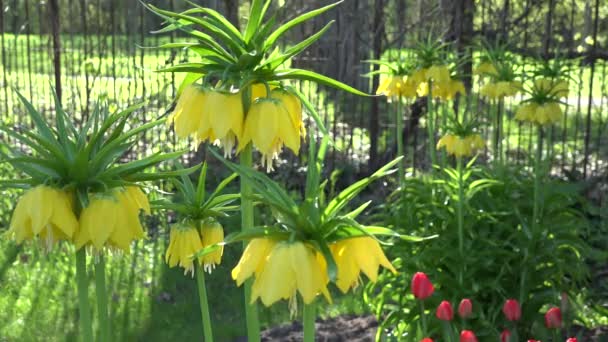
[[426, 339], [465, 309], [512, 310], [533, 341], [553, 318], [505, 336], [445, 311], [468, 336], [422, 287], [572, 339]]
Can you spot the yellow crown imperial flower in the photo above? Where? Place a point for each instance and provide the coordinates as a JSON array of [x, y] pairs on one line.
[[259, 90], [222, 120], [438, 73], [461, 146], [112, 219], [212, 233], [557, 87], [272, 123], [500, 89], [45, 212], [290, 268], [356, 255], [253, 259], [397, 86], [542, 114], [184, 242], [187, 115]]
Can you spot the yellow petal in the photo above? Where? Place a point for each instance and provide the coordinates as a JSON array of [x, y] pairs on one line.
[[253, 259]]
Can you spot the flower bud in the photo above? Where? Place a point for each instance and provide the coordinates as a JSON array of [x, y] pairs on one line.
[[512, 310], [465, 308], [426, 339], [572, 339], [553, 318], [422, 287], [445, 311], [505, 335], [468, 336]]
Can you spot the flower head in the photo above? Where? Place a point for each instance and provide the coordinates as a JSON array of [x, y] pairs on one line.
[[253, 259], [553, 318], [290, 267], [572, 339], [426, 339], [467, 336], [187, 115], [485, 69], [505, 336], [445, 312], [547, 113], [512, 310], [46, 212], [112, 219], [396, 86], [222, 119], [273, 122], [461, 146], [355, 255], [212, 233], [465, 308], [422, 287], [184, 242], [501, 89]]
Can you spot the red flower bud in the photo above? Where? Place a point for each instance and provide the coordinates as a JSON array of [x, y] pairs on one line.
[[445, 311], [468, 336], [465, 308], [533, 341], [505, 336], [553, 318], [572, 339], [422, 288], [426, 339], [512, 310]]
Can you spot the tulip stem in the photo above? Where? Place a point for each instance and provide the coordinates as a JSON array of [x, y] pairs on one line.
[[556, 336], [251, 310], [431, 124], [309, 316], [460, 213], [102, 299], [202, 296], [422, 317], [86, 329], [447, 331]]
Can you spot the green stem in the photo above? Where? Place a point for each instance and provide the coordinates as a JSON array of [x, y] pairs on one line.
[[86, 329], [399, 121], [422, 317], [102, 299], [556, 337], [537, 181], [447, 331], [431, 125], [309, 322], [204, 303], [246, 158], [460, 213], [251, 309]]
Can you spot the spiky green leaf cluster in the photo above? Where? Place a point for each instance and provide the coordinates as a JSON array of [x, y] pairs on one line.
[[87, 157]]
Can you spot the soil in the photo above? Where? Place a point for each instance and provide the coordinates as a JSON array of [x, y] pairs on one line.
[[343, 328]]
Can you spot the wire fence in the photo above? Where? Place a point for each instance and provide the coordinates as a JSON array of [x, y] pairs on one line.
[[95, 50]]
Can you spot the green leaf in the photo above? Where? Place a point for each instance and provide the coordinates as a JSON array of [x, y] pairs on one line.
[[257, 232], [225, 24], [311, 110], [219, 189], [158, 175], [188, 80], [200, 186], [124, 170], [306, 75], [353, 214], [255, 17], [47, 133], [273, 37]]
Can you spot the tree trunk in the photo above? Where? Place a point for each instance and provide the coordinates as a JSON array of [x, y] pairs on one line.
[[232, 11], [374, 125]]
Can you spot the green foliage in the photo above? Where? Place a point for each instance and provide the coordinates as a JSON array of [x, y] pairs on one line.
[[504, 257]]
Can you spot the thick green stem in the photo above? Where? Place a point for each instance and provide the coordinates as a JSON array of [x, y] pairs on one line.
[[204, 303], [251, 310], [537, 181], [102, 299], [447, 331], [431, 125], [86, 329], [399, 122], [309, 322], [422, 317], [460, 214]]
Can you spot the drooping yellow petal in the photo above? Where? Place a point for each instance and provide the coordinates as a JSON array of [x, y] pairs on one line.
[[253, 259], [212, 233], [277, 280]]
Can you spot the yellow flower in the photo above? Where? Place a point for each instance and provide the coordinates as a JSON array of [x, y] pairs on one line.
[[259, 90], [500, 89], [448, 90], [485, 69], [222, 120], [253, 259], [461, 146], [355, 255], [188, 112], [289, 268], [438, 73], [272, 123], [547, 113], [212, 233], [112, 219], [184, 242], [557, 87], [46, 212], [397, 86]]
